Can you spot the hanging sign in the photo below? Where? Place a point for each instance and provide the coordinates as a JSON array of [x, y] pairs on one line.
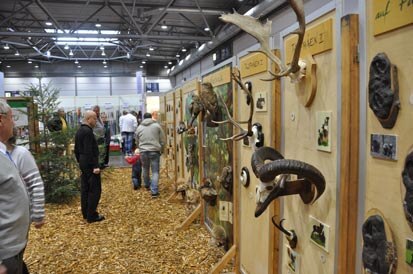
[[391, 14]]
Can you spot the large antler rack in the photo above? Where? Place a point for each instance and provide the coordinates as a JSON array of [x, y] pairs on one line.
[[251, 25], [236, 76]]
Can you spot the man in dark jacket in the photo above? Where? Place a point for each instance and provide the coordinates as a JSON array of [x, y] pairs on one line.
[[151, 139], [87, 155], [58, 121]]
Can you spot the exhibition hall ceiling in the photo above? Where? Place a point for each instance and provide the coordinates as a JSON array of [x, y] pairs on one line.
[[131, 31]]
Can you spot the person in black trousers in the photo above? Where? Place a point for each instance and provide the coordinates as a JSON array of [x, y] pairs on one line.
[[87, 155]]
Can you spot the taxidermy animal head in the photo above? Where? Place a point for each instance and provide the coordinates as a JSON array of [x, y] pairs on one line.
[[407, 176], [226, 178]]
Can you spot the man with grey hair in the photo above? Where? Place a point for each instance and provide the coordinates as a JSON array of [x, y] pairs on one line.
[[14, 202], [87, 155]]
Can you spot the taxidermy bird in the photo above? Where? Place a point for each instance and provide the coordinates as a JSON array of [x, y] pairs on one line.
[[210, 102], [195, 108]]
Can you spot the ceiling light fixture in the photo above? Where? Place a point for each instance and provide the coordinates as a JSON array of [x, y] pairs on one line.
[[164, 26], [79, 66], [48, 53], [104, 62], [143, 62], [151, 49], [169, 63], [76, 61], [17, 53], [29, 62], [128, 55], [102, 47], [36, 66], [178, 55], [148, 54], [165, 66], [206, 29], [66, 47], [6, 46], [105, 66], [183, 49], [141, 66], [8, 66], [103, 53], [98, 25], [48, 23], [70, 53]]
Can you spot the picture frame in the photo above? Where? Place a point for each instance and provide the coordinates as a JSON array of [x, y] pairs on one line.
[[323, 130], [293, 260], [383, 146], [320, 233], [261, 101]]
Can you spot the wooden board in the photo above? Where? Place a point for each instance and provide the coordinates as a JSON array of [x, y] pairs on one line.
[[300, 142], [256, 234], [170, 135], [349, 164], [179, 149], [383, 177]]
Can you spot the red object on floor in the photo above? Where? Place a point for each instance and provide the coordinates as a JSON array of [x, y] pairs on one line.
[[132, 159]]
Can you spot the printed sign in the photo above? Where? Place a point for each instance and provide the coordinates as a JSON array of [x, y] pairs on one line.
[[391, 14], [253, 63]]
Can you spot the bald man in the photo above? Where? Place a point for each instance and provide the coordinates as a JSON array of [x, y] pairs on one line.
[[87, 155]]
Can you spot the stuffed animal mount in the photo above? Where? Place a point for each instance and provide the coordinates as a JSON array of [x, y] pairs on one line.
[[295, 70], [275, 179]]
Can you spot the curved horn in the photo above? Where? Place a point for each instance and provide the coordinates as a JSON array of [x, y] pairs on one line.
[[291, 235]]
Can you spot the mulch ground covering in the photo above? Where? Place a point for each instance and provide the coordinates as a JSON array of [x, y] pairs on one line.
[[138, 235]]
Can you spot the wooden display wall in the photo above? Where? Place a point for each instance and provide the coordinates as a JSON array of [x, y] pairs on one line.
[[170, 135], [301, 132], [218, 154], [179, 148], [190, 141], [256, 234], [391, 34]]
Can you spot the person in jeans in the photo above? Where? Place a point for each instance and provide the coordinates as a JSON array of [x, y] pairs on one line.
[[128, 125], [150, 139], [14, 202]]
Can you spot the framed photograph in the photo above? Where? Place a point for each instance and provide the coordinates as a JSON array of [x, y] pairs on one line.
[[320, 233], [383, 146], [261, 101], [409, 252], [292, 260], [323, 127]]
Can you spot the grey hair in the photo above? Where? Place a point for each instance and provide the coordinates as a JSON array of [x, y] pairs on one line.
[[4, 107], [61, 109]]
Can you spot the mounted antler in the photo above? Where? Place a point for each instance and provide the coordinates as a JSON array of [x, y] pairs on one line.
[[290, 234], [262, 33], [236, 76]]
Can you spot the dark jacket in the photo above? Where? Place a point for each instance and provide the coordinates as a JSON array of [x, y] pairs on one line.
[[55, 124], [86, 148]]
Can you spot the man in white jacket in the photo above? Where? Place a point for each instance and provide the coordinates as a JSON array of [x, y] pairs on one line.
[[128, 125]]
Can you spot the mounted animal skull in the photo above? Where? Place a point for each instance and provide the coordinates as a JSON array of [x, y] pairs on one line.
[[290, 234], [295, 70]]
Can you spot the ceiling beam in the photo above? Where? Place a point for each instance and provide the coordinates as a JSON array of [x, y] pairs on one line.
[[185, 10], [44, 9], [131, 17], [160, 16], [87, 19], [115, 36], [14, 12]]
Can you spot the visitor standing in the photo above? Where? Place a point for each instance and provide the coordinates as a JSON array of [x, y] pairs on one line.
[[151, 139], [128, 124], [14, 202], [87, 155]]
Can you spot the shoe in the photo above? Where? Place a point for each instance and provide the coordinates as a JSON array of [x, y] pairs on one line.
[[148, 188], [136, 187], [155, 195], [99, 218]]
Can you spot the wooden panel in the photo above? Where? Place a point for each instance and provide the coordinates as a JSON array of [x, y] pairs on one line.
[[391, 14], [170, 135], [300, 143], [179, 148], [384, 188], [349, 164], [220, 77], [317, 39], [256, 234]]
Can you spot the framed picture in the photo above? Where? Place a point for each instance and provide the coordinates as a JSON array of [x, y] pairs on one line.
[[383, 146], [320, 233], [261, 101], [323, 127], [409, 252], [292, 260]]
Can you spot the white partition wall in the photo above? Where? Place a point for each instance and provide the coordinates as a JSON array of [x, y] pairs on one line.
[[19, 84], [124, 85], [89, 86], [66, 85]]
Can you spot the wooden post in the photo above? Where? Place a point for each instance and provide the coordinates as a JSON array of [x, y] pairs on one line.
[[191, 218], [224, 261], [349, 167]]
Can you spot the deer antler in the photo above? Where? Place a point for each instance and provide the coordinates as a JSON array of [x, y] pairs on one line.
[[262, 33], [236, 76]]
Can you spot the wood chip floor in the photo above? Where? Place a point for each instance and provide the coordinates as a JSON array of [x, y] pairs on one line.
[[138, 235]]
